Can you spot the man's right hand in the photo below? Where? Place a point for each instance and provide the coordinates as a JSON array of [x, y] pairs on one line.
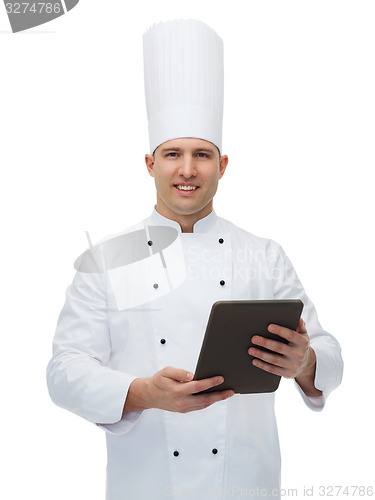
[[173, 389]]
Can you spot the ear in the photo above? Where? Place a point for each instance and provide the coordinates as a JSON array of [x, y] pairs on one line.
[[150, 160], [223, 165]]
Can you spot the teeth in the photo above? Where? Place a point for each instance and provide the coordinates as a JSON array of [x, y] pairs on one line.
[[187, 188]]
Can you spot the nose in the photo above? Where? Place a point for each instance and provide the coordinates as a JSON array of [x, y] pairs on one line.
[[187, 167]]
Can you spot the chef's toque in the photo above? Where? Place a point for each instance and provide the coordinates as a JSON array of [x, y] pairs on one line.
[[184, 82]]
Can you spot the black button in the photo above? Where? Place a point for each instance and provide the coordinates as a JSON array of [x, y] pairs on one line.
[[221, 240], [156, 285], [214, 451], [222, 282], [175, 453], [162, 341], [149, 242]]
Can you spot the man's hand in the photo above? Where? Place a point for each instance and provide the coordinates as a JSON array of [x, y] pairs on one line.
[[294, 360], [173, 389]]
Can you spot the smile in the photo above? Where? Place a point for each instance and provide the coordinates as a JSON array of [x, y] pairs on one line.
[[182, 187]]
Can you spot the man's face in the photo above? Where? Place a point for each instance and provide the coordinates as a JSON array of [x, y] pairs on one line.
[[180, 163]]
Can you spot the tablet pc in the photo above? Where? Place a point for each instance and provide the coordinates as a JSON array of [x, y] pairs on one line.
[[230, 327]]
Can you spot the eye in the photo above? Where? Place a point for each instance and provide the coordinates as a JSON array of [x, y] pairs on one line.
[[203, 155], [172, 155]]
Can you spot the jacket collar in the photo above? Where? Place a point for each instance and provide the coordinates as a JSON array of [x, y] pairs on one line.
[[201, 226]]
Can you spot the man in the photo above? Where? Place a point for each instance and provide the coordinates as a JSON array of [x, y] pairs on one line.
[[130, 332], [196, 164]]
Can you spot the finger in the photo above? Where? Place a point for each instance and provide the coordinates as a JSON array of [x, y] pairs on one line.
[[270, 368], [282, 331], [290, 335], [272, 345], [268, 357], [200, 401], [204, 384], [301, 326], [177, 374]]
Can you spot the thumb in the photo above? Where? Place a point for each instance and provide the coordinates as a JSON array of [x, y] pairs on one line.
[[178, 374], [301, 326]]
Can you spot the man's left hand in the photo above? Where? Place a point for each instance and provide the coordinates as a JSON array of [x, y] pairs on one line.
[[293, 360]]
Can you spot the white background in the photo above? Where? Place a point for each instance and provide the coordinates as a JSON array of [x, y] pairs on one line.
[[299, 131]]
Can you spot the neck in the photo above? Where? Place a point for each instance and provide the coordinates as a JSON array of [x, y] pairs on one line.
[[186, 221]]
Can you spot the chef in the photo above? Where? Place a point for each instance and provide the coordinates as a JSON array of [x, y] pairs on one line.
[[130, 332]]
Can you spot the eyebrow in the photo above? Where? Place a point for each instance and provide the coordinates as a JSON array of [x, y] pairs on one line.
[[197, 150]]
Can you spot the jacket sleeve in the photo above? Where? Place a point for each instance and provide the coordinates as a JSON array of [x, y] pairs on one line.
[[78, 376], [329, 364]]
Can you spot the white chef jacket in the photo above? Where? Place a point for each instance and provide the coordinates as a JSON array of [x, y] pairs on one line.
[[228, 450]]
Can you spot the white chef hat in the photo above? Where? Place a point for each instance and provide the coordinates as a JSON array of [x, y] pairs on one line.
[[184, 82]]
